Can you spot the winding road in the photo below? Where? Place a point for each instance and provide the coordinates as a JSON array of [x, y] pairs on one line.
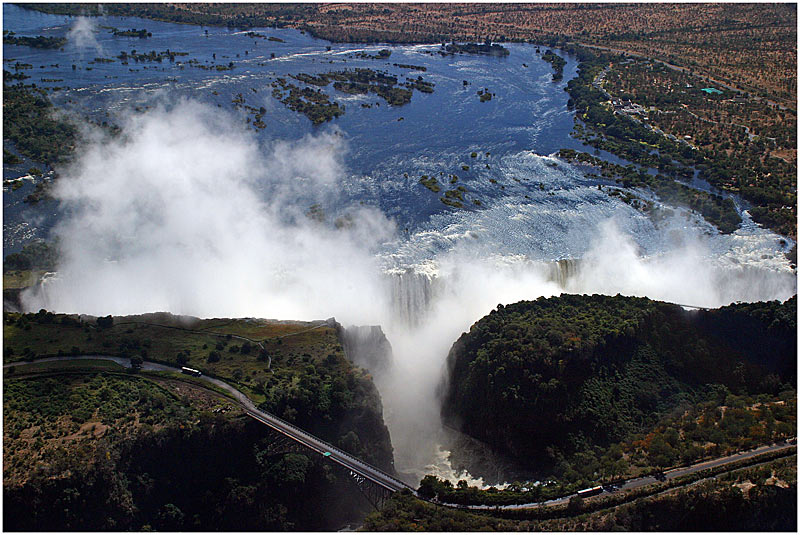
[[378, 476], [334, 454]]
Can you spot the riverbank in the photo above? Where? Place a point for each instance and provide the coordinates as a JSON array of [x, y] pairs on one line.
[[623, 129]]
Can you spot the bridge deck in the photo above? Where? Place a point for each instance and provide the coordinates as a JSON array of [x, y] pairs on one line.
[[375, 475]]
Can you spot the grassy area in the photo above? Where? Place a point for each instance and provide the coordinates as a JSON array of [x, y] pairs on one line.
[[164, 338], [197, 344], [64, 365], [176, 376], [296, 370], [14, 280]]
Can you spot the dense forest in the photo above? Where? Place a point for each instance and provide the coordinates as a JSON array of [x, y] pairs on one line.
[[40, 41], [28, 122], [319, 108], [557, 62], [37, 255], [574, 375], [107, 451]]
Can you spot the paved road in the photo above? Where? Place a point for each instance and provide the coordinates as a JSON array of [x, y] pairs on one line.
[[378, 476], [649, 480], [375, 475]]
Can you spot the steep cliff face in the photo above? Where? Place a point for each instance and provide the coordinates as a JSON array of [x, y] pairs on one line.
[[360, 428], [570, 372], [366, 346]]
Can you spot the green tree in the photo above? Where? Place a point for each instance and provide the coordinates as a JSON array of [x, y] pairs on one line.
[[170, 518], [290, 470], [428, 487], [351, 443]]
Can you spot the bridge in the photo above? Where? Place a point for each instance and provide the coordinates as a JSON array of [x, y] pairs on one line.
[[375, 484]]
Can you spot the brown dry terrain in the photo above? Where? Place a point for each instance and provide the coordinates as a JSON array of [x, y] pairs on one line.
[[752, 46], [41, 432], [756, 141]]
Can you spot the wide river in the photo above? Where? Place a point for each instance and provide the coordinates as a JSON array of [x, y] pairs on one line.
[[449, 266]]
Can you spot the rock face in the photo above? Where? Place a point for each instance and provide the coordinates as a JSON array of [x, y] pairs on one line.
[[570, 372], [366, 346]]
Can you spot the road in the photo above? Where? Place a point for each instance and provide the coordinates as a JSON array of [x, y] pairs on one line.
[[375, 475], [649, 480], [378, 476]]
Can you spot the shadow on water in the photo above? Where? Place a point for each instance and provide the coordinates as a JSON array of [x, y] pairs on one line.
[[480, 461]]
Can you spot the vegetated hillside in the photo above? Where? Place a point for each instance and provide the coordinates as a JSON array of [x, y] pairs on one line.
[[295, 370], [112, 451], [761, 498], [549, 378]]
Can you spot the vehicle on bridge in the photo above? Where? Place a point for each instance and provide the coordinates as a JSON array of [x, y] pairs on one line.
[[191, 371]]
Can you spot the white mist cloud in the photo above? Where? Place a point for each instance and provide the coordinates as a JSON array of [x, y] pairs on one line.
[[82, 35], [689, 274], [187, 213]]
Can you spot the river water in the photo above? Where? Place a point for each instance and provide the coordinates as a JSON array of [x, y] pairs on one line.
[[445, 267]]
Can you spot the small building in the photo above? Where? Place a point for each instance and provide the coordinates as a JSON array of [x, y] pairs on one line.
[[711, 91]]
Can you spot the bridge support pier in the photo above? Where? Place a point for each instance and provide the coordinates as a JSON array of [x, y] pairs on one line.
[[376, 495], [277, 444]]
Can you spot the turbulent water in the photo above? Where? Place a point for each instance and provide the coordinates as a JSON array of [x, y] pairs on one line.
[[221, 231]]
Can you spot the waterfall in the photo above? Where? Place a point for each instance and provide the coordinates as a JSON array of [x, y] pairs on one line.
[[412, 293], [563, 271]]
